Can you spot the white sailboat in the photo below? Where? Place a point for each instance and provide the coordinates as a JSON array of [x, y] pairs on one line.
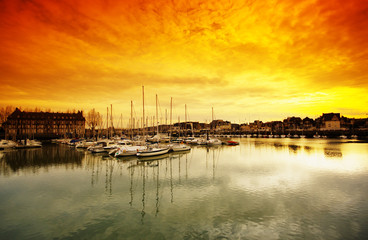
[[127, 150], [179, 147], [7, 144], [130, 148], [153, 151], [84, 144], [29, 144], [213, 141]]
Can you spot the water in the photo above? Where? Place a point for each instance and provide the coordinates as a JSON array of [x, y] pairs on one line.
[[261, 189]]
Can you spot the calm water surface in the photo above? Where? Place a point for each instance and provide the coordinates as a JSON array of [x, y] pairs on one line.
[[261, 189]]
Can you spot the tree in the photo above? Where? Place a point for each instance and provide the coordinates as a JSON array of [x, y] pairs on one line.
[[5, 112], [93, 119]]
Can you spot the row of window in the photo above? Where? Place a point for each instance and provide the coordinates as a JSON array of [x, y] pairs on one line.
[[40, 131], [44, 122], [48, 117], [48, 127]]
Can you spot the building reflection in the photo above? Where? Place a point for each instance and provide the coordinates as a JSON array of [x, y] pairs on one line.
[[308, 149], [294, 148], [333, 152], [32, 160]]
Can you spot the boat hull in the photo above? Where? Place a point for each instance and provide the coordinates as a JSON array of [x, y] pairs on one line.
[[152, 153]]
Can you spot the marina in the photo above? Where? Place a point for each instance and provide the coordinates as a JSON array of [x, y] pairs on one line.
[[263, 188]]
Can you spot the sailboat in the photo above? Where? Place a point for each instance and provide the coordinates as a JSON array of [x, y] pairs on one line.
[[156, 150], [213, 141], [29, 144], [130, 150], [179, 146], [7, 144], [152, 151]]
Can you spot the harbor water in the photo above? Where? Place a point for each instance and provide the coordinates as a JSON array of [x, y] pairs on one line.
[[260, 189]]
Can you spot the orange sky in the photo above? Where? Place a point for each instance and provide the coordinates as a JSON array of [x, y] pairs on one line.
[[248, 59]]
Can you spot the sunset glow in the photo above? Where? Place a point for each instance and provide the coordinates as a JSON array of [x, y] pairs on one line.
[[248, 59]]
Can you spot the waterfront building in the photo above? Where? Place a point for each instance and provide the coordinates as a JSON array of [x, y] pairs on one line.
[[292, 123], [330, 121], [309, 124], [220, 125], [42, 125], [235, 127]]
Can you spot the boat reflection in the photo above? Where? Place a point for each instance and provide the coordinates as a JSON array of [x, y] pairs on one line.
[[152, 158]]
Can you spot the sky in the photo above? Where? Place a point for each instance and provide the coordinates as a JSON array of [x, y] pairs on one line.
[[245, 59]]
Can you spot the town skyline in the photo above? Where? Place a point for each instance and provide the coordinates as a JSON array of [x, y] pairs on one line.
[[247, 59], [152, 121]]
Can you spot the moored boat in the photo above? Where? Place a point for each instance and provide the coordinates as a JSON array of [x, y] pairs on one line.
[[125, 151], [214, 141], [7, 144], [232, 143], [179, 147], [152, 151], [29, 144]]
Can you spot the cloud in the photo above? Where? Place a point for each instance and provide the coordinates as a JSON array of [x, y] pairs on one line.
[[214, 52]]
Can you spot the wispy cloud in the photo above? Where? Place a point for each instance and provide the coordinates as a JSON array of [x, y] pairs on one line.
[[248, 53]]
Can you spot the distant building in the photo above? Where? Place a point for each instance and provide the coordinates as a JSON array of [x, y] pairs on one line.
[[276, 126], [21, 124], [220, 125], [235, 127], [308, 124], [330, 121], [293, 123]]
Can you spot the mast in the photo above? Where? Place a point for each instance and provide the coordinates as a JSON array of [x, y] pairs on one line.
[[212, 114], [170, 118], [107, 122], [112, 125], [212, 122], [179, 125], [143, 109], [185, 125], [147, 122], [157, 113], [121, 123], [131, 119], [185, 113]]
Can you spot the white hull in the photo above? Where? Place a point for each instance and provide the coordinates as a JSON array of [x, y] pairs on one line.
[[153, 152], [180, 149], [7, 144], [213, 142], [129, 151]]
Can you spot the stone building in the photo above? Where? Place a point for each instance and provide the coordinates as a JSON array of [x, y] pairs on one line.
[[330, 121], [43, 125]]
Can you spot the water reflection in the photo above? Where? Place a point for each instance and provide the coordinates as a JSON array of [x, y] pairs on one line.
[[333, 152], [330, 148], [261, 189], [153, 171], [294, 148], [32, 160]]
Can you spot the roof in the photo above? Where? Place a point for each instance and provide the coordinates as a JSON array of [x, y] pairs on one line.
[[330, 116], [45, 115]]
